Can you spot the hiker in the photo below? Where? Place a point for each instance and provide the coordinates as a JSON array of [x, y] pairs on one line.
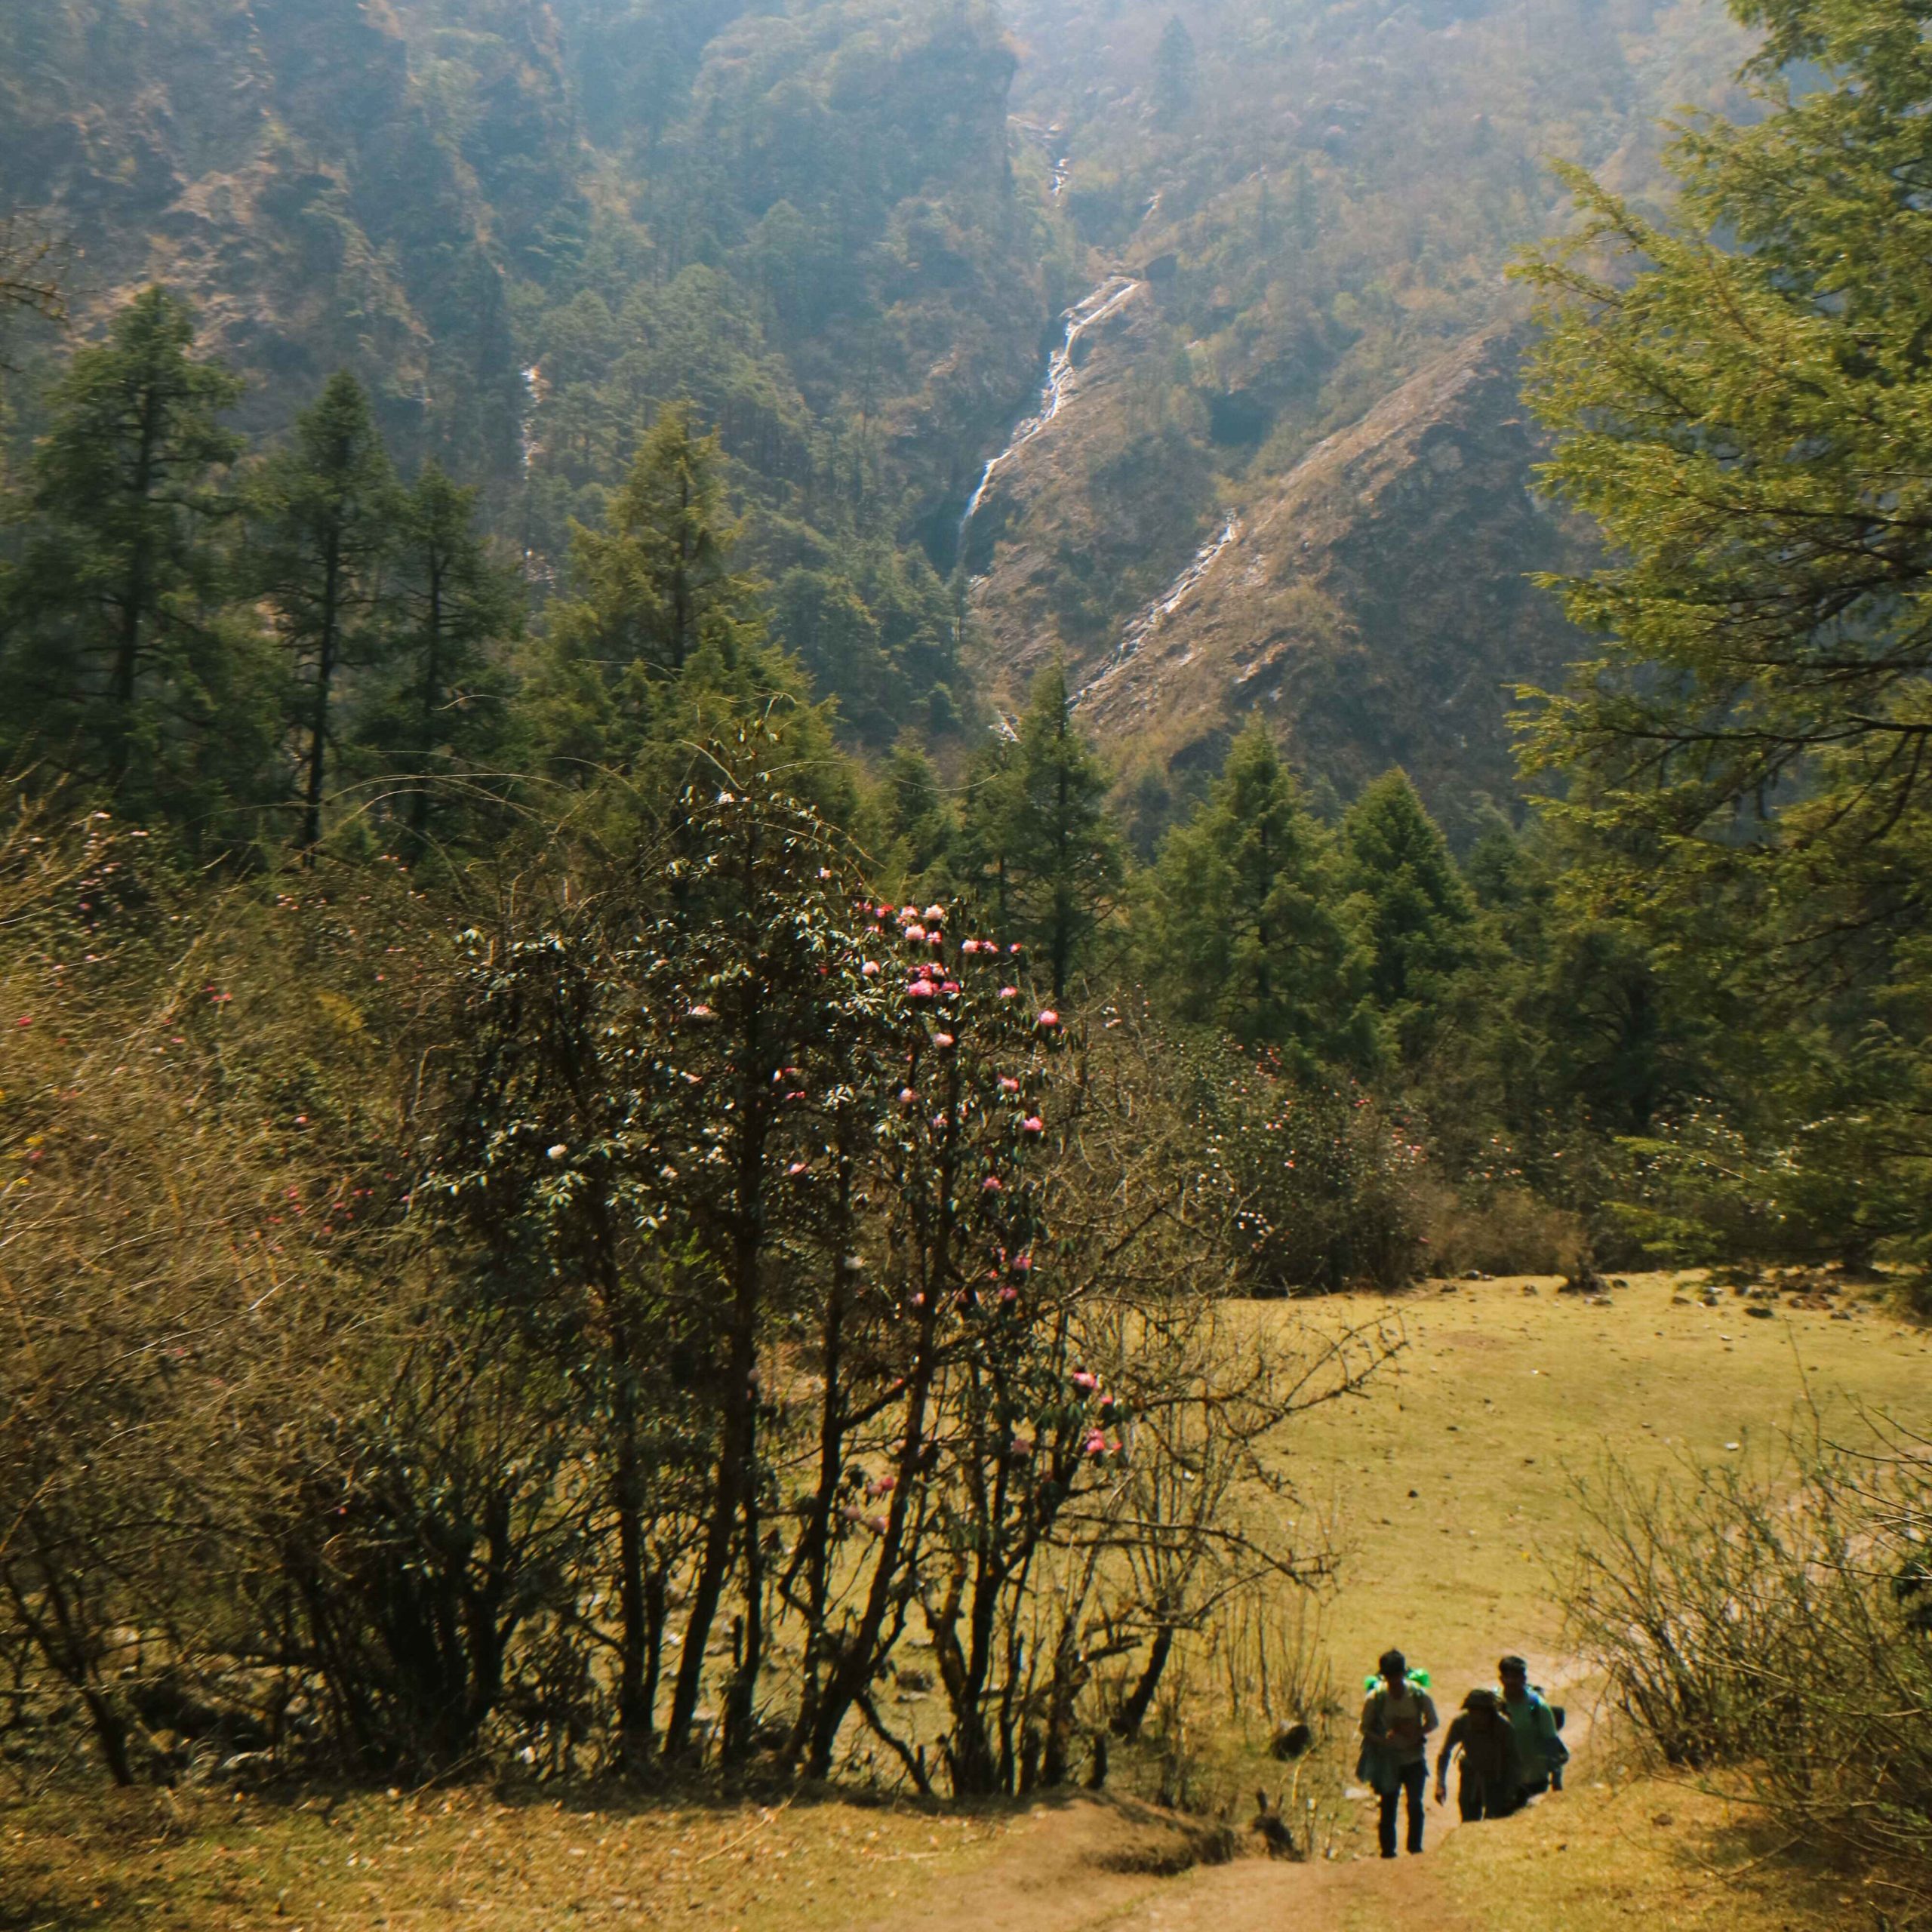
[[1491, 1768], [1542, 1754], [1396, 1721]]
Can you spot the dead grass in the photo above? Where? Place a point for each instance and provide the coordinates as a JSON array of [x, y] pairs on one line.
[[108, 1861], [1451, 1488]]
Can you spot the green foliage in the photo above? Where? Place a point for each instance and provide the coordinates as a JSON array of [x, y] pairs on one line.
[[1414, 909], [1176, 72], [453, 607], [1736, 396], [1037, 842], [325, 512], [127, 672], [1243, 928], [1319, 1187]]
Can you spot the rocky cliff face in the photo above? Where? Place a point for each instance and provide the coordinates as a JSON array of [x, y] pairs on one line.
[[276, 162], [1375, 603]]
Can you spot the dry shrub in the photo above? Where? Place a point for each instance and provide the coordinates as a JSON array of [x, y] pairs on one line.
[[1506, 1231], [1776, 1620]]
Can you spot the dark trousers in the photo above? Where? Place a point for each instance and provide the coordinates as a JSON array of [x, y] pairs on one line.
[[1413, 1778], [1478, 1796]]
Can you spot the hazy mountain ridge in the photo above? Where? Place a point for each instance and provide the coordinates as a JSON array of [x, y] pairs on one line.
[[840, 227]]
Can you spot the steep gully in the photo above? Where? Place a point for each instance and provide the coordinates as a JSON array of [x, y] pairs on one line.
[[1062, 379], [1061, 382]]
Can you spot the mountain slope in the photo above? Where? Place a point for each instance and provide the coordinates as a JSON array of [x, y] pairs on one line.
[[1376, 602]]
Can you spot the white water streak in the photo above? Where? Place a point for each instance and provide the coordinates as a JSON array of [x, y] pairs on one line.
[[1157, 613], [1061, 381]]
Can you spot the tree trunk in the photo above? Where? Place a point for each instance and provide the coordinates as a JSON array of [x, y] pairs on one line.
[[1134, 1707], [318, 721], [432, 701]]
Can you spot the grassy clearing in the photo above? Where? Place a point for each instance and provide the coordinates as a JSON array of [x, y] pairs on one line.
[[430, 1860], [1451, 1488], [1499, 1400]]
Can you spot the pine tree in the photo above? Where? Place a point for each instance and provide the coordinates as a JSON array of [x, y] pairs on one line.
[[453, 603], [915, 823], [1176, 72], [121, 667], [1413, 909], [326, 511], [655, 593], [1046, 853], [1243, 928], [661, 577]]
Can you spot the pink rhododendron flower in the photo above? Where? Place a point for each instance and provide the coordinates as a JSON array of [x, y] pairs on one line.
[[1032, 1123], [992, 1185], [942, 1040], [916, 935], [1085, 1378], [1007, 1085], [921, 989], [1048, 1021], [870, 969], [1022, 1264], [798, 1167], [1009, 993], [908, 1097]]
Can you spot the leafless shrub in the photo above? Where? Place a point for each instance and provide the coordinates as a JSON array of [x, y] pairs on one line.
[[1776, 1618]]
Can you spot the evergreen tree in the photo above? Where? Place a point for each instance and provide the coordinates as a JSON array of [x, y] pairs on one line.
[[1413, 909], [453, 603], [1243, 928], [915, 822], [121, 668], [661, 575], [1176, 72], [326, 511], [655, 591], [1046, 853], [1742, 401]]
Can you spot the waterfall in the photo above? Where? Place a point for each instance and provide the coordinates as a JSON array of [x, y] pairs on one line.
[[1060, 383], [1164, 607]]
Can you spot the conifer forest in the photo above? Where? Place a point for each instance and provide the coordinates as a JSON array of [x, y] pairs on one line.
[[806, 804]]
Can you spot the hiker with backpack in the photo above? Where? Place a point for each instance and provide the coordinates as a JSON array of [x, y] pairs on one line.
[[1396, 1721], [1491, 1770], [1541, 1752]]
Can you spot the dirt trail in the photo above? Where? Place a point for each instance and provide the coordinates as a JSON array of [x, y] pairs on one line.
[[1058, 1872], [1092, 1865]]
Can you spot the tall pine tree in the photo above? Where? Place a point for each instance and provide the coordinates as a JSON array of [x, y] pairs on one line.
[[1242, 925], [1412, 907], [1045, 854], [655, 591], [453, 602], [326, 511], [122, 668]]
